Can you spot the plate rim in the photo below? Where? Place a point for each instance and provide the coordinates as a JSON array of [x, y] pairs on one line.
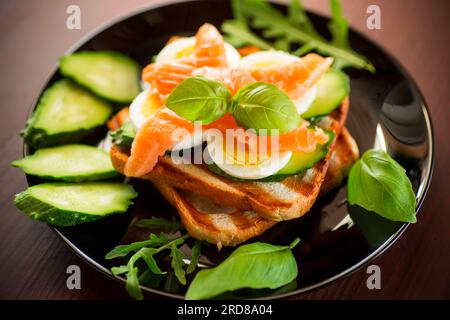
[[421, 195]]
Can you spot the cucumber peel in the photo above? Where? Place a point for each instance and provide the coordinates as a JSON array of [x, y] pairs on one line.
[[71, 163], [110, 75], [331, 90], [65, 113], [65, 204]]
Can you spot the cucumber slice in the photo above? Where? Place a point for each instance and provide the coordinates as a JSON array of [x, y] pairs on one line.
[[65, 204], [65, 113], [301, 161], [111, 75], [72, 163], [331, 90], [124, 136]]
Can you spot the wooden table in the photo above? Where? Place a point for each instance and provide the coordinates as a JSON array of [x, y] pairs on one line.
[[33, 260]]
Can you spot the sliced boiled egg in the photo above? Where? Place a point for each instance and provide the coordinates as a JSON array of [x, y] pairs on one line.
[[184, 47], [272, 58], [145, 106], [240, 164]]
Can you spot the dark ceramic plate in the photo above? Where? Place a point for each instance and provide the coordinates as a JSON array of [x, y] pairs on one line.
[[387, 111]]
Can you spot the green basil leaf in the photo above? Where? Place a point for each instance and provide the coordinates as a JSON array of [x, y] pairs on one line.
[[177, 263], [199, 99], [123, 250], [261, 105], [194, 257], [256, 265], [161, 224], [378, 183]]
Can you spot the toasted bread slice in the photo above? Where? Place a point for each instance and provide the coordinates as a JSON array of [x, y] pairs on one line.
[[277, 201], [224, 226]]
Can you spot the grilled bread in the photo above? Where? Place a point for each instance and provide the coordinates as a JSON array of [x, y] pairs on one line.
[[207, 220], [276, 201]]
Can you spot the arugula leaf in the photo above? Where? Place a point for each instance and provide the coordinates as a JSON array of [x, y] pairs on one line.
[[261, 105], [177, 263], [123, 250], [199, 99], [378, 183], [161, 224], [256, 265], [147, 255], [194, 257], [297, 28], [238, 34]]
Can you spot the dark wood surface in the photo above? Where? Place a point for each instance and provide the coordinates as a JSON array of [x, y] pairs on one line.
[[33, 260]]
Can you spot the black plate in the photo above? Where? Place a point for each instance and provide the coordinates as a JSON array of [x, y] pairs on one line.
[[387, 110]]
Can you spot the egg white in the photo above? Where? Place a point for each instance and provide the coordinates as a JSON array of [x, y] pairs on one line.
[[138, 118], [272, 58], [174, 51], [265, 168]]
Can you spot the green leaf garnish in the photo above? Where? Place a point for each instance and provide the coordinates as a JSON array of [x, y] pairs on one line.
[[261, 105], [294, 29], [378, 183], [256, 265], [124, 136], [164, 225], [195, 256], [177, 263], [199, 99]]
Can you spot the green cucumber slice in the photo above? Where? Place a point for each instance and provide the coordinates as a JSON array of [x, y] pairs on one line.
[[65, 113], [65, 204], [72, 163], [331, 90], [111, 75], [300, 161], [124, 136]]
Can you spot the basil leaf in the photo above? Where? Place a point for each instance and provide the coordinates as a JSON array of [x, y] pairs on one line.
[[261, 105], [199, 99], [177, 263], [256, 265], [194, 257], [378, 183], [161, 223]]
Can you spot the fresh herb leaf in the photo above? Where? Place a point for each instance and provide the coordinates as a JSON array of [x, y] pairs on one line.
[[177, 263], [378, 183], [238, 34], [123, 250], [119, 270], [297, 28], [132, 284], [195, 255], [256, 265], [261, 105], [124, 136], [199, 99], [168, 226], [147, 256]]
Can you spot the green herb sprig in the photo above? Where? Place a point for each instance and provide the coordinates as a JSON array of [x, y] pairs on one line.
[[296, 28], [147, 250], [257, 105]]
